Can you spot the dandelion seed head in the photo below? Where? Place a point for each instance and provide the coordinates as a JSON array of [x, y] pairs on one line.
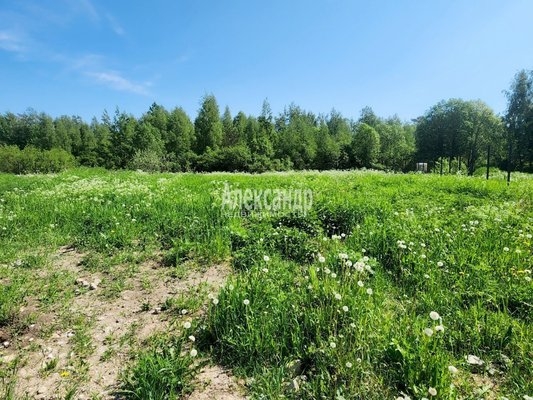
[[338, 296], [452, 369], [186, 324], [266, 258], [194, 353], [333, 345], [432, 391], [321, 259], [434, 315], [246, 302], [192, 338], [215, 301], [348, 364], [428, 332], [369, 291]]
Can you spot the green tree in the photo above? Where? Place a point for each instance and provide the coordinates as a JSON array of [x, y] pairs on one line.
[[8, 129], [458, 129], [207, 126], [88, 154], [519, 118], [180, 140], [397, 144], [227, 128], [123, 134], [328, 148], [365, 146], [102, 134], [368, 117], [297, 137], [240, 122]]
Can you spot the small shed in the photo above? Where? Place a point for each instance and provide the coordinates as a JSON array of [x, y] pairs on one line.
[[422, 167]]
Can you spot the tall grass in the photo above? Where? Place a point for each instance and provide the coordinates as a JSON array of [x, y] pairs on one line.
[[333, 304]]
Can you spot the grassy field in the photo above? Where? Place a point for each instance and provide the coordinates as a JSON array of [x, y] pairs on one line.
[[390, 286]]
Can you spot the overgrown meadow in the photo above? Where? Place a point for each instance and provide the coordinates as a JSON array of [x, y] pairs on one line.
[[391, 286]]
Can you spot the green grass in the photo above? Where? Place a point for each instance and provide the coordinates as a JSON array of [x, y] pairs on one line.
[[459, 246]]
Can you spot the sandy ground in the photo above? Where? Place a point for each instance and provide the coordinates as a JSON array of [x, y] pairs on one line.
[[115, 327]]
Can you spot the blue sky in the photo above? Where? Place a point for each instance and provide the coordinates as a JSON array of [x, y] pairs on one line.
[[79, 57]]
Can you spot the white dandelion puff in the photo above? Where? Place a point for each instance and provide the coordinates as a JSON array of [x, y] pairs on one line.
[[434, 315]]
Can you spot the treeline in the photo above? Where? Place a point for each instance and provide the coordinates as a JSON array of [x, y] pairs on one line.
[[163, 140], [455, 133]]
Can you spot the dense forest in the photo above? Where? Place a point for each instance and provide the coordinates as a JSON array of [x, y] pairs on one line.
[[453, 135]]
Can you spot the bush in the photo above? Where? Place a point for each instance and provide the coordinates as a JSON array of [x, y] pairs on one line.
[[32, 160], [147, 160]]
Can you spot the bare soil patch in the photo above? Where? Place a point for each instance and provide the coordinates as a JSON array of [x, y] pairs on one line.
[[84, 346]]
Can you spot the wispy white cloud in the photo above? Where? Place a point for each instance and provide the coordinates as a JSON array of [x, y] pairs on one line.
[[115, 25], [116, 81], [11, 42], [87, 8]]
